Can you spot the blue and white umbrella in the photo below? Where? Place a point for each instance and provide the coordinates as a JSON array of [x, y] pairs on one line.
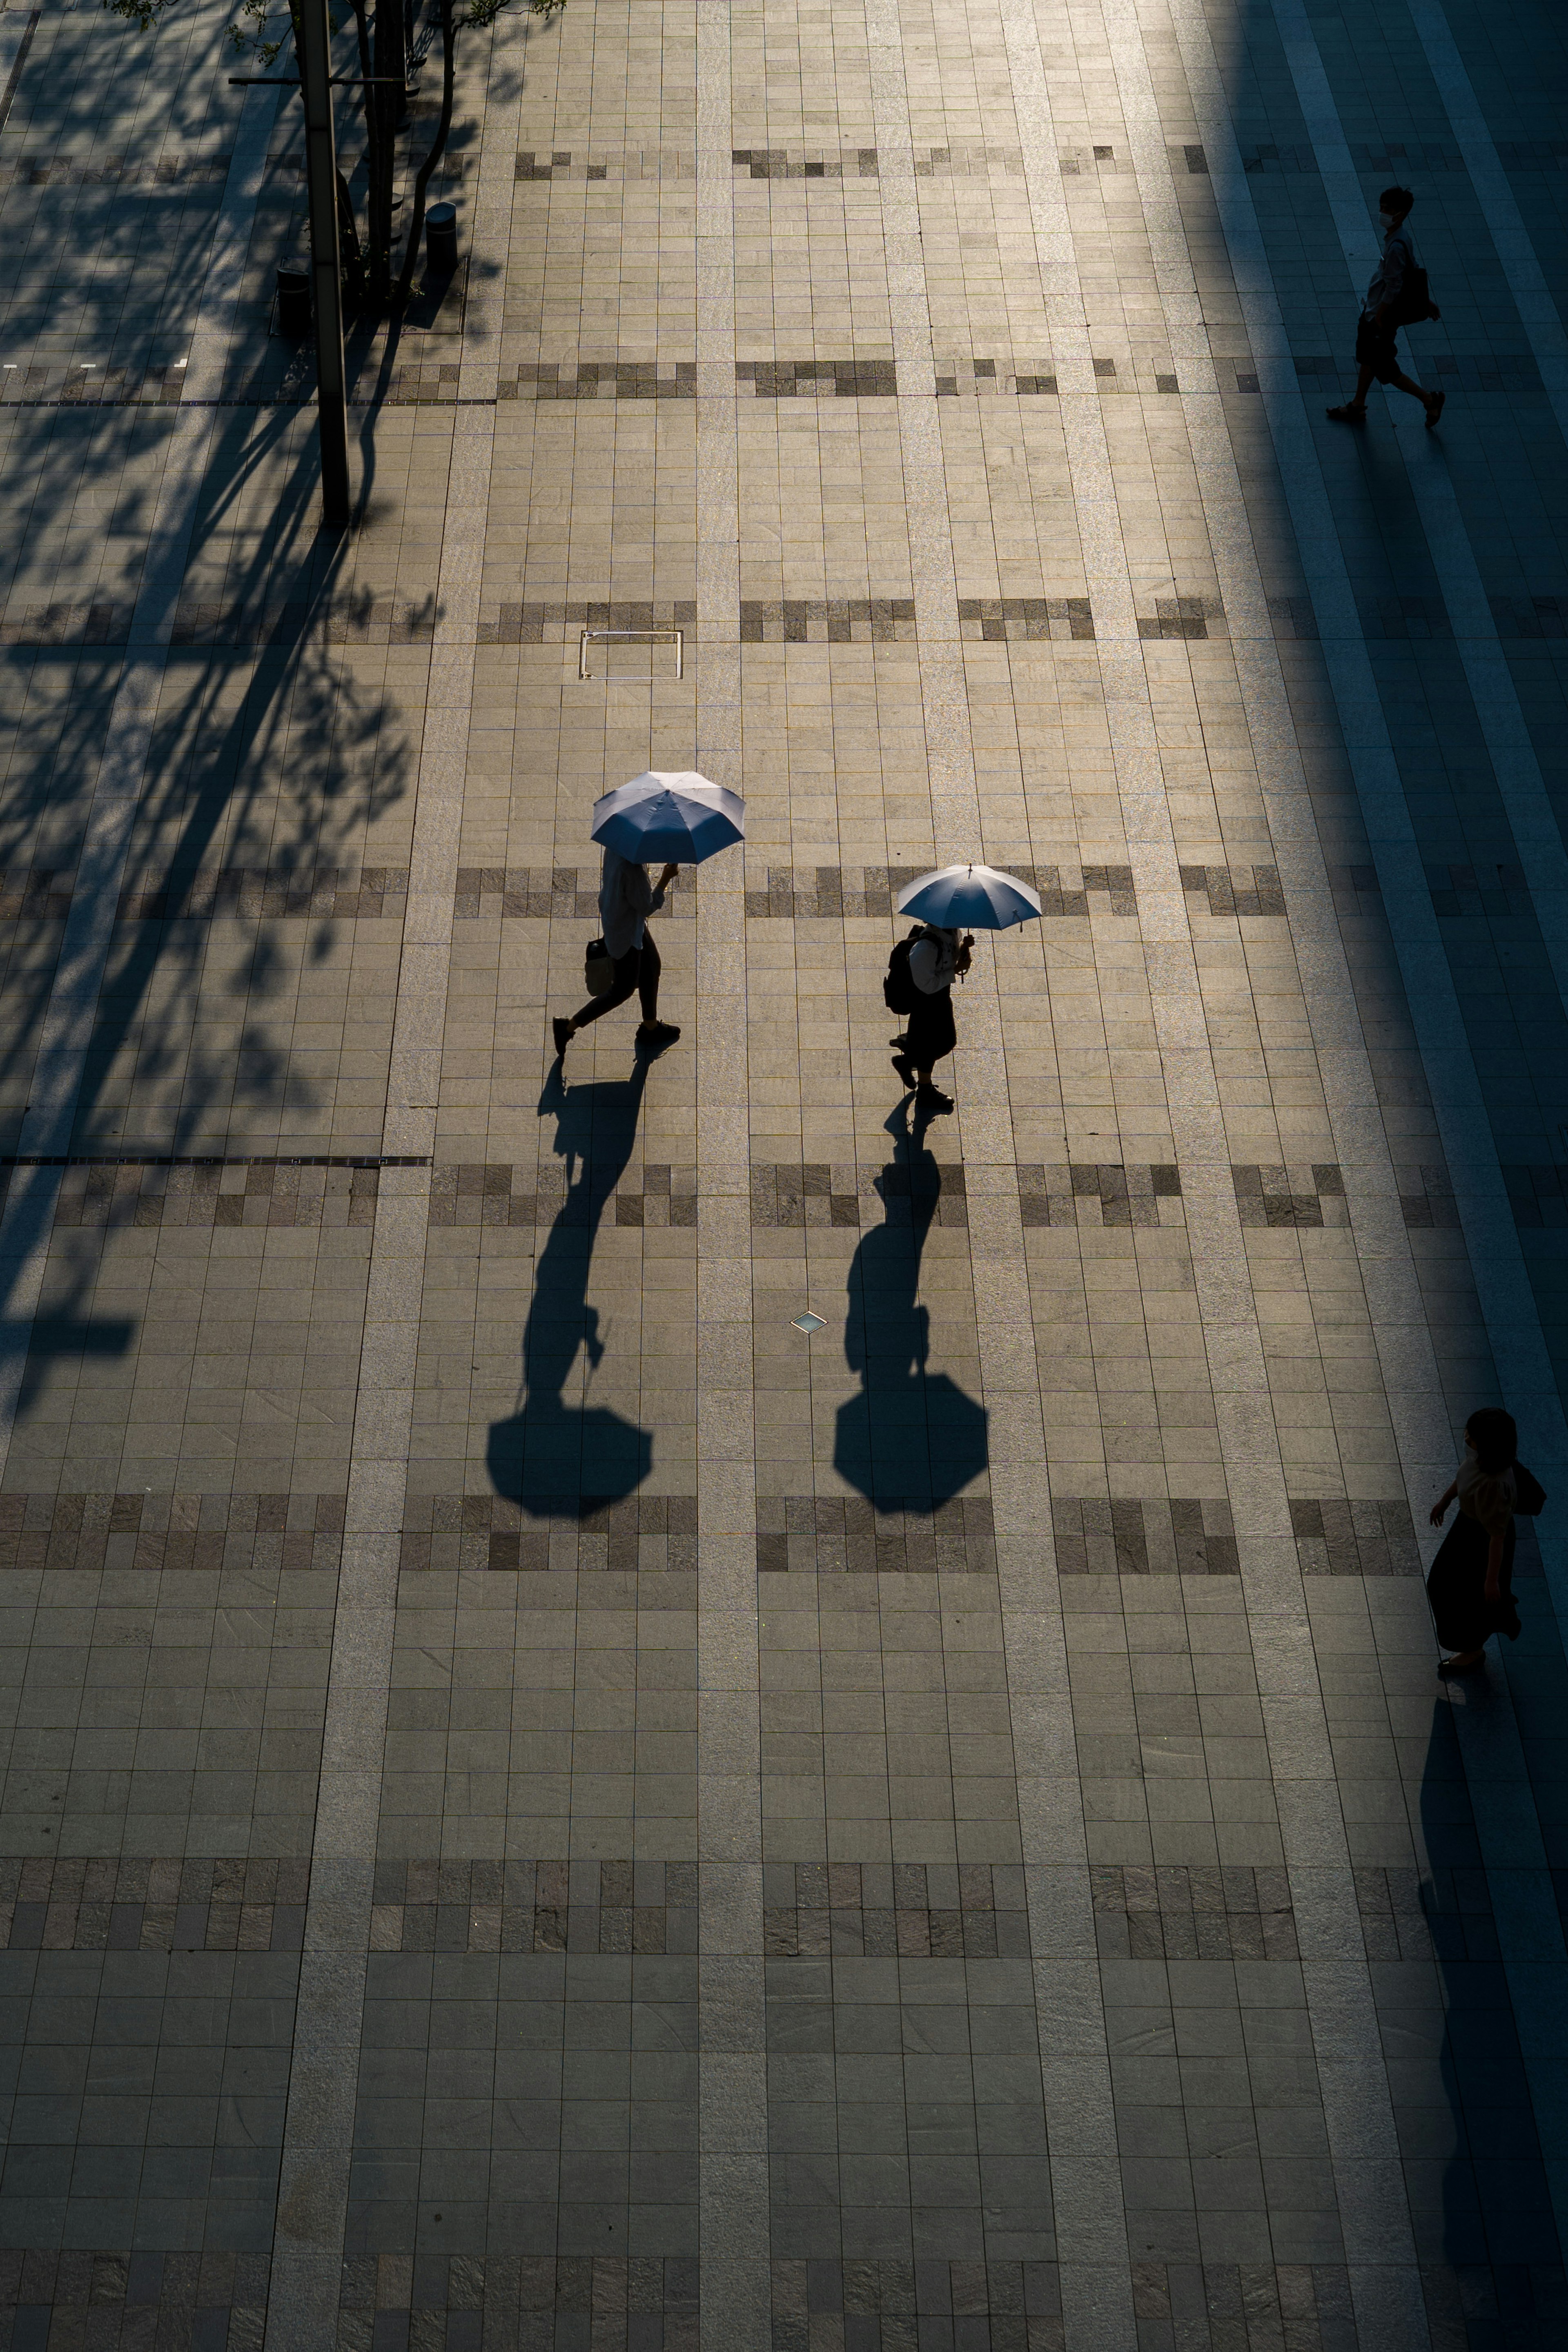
[[670, 814], [979, 897]]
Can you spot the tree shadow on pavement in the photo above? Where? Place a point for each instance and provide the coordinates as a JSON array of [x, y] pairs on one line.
[[911, 1440], [555, 1456], [266, 751]]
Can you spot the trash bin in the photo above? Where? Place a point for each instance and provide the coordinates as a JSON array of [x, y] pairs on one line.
[[441, 240], [294, 298]]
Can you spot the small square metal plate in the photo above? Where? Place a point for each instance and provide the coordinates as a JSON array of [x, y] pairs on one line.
[[808, 1322]]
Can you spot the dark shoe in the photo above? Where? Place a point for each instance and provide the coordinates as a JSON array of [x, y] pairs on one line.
[[905, 1069], [1449, 1668], [931, 1099], [562, 1037], [1435, 408], [1346, 414], [652, 1036]]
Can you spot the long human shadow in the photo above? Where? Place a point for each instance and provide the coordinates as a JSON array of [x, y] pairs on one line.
[[911, 1440], [1486, 2234], [556, 1455]]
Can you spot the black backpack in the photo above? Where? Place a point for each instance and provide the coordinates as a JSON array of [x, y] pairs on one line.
[[1416, 302], [899, 993]]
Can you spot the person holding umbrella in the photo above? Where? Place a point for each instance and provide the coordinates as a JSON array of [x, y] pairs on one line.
[[935, 956], [626, 900], [678, 816]]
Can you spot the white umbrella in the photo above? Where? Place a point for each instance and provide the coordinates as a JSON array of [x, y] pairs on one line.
[[669, 814], [982, 897]]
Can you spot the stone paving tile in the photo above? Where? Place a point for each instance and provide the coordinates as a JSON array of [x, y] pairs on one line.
[[963, 1787]]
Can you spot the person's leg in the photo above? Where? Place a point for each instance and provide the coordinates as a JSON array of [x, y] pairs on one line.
[[1356, 406], [625, 982], [651, 1030], [648, 981]]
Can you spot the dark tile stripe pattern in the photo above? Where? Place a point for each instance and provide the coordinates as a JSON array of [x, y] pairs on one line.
[[519, 2304], [798, 164], [566, 892], [114, 172], [829, 1535], [829, 621], [1105, 1194], [212, 891], [645, 1908], [905, 2306], [1018, 620], [1185, 1536], [153, 2300], [119, 1903], [601, 380], [830, 892], [29, 893], [1297, 1195], [1194, 618], [560, 625], [1244, 2307], [786, 1194], [260, 1192], [1537, 1192], [179, 1531], [1189, 1913], [851, 378], [1235, 890], [650, 1534], [1335, 1537], [1491, 890], [480, 1193], [852, 1910]]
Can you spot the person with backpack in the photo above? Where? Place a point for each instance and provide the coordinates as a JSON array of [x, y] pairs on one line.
[[919, 986], [1470, 1583], [1397, 297]]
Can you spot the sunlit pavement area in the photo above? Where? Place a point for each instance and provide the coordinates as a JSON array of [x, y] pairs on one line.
[[546, 1806]]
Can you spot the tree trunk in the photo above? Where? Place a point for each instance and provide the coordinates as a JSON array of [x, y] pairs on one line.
[[438, 146], [382, 107]]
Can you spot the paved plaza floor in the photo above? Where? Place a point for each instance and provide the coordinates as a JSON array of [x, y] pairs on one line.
[[544, 1805]]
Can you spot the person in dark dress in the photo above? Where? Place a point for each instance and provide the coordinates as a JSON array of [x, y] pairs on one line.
[[1470, 1583]]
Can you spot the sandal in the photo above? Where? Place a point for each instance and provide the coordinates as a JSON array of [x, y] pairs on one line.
[[1434, 407], [1346, 414], [1448, 1667]]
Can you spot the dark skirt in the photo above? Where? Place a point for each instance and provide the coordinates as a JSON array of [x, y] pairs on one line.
[[1455, 1587], [930, 1029]]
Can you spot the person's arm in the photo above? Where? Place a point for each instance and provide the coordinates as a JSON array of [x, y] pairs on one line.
[[1441, 1504], [657, 894]]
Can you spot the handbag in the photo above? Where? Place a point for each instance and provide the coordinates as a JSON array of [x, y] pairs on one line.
[[598, 968], [1416, 302], [1530, 1494]]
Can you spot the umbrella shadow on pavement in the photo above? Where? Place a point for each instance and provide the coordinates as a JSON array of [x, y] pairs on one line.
[[555, 1456], [911, 1440]]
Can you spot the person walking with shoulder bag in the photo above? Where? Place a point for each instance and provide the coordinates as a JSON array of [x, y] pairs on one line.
[[626, 900], [1397, 297], [1471, 1583], [934, 958]]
